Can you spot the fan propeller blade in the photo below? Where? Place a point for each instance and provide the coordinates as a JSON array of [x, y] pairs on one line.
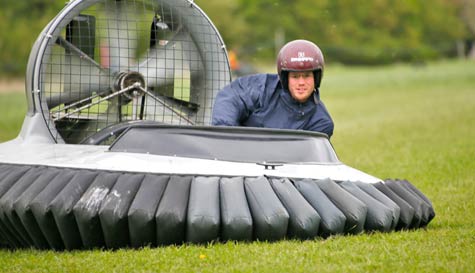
[[122, 31], [81, 76], [164, 64]]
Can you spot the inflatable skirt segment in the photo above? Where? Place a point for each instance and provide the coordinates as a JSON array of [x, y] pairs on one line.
[[60, 208]]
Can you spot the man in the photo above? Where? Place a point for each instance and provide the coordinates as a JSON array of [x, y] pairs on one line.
[[288, 100]]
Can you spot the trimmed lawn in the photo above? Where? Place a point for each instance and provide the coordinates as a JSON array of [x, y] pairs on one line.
[[400, 121]]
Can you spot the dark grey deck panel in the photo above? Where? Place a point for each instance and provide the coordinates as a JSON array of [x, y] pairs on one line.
[[63, 208]]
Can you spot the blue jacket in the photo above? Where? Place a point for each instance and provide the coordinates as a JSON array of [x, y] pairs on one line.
[[261, 101]]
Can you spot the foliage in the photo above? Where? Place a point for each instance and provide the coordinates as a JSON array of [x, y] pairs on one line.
[[369, 32], [398, 121], [351, 32], [21, 23]]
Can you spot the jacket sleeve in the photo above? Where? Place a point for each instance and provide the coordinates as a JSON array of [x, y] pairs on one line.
[[235, 102]]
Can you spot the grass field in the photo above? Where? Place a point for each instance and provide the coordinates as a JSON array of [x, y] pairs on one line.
[[12, 112], [402, 121]]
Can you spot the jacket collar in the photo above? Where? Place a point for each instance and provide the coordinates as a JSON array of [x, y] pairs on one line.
[[314, 99]]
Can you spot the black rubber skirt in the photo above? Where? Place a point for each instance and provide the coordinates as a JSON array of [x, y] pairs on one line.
[[62, 208]]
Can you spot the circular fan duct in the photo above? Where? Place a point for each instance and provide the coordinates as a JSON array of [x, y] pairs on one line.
[[103, 62]]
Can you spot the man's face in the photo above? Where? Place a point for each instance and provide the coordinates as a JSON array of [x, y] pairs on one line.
[[301, 85]]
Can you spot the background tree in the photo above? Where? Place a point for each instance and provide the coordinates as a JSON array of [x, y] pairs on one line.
[[348, 31], [355, 32], [466, 13], [20, 24]]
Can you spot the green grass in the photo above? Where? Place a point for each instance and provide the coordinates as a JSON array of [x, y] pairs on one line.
[[12, 112], [400, 121]]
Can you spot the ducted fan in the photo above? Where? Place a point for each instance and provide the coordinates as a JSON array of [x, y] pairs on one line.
[[104, 62]]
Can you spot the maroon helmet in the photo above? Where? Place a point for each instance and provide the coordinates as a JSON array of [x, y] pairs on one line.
[[300, 55]]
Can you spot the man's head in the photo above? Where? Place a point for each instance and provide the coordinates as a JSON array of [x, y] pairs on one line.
[[303, 58], [301, 85]]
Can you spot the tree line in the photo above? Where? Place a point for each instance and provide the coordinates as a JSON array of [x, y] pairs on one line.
[[348, 31]]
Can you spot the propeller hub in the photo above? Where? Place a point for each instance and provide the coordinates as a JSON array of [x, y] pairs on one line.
[[130, 79]]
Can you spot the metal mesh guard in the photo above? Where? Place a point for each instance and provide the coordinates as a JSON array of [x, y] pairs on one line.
[[114, 61]]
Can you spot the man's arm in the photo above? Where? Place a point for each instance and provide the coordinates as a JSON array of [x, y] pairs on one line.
[[227, 108], [236, 101]]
